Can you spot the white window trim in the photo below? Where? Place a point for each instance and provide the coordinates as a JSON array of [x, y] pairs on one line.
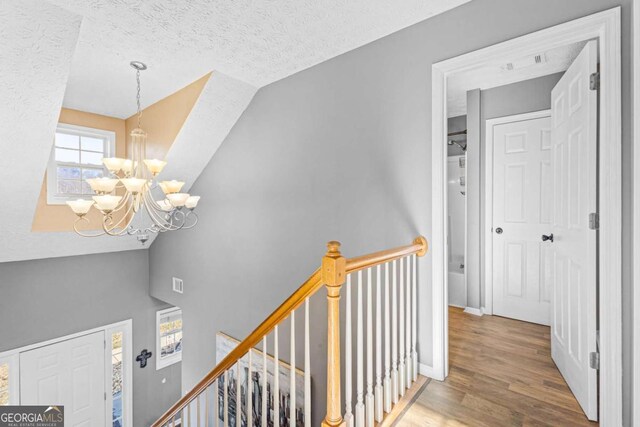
[[109, 151], [170, 360], [125, 326]]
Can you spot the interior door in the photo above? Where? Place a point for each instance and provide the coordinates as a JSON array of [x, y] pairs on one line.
[[522, 210], [574, 136], [69, 373]]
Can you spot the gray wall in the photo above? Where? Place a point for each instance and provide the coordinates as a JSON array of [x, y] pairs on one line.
[[50, 298], [341, 151]]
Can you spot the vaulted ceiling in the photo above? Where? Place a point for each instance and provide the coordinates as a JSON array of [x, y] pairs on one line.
[[75, 53]]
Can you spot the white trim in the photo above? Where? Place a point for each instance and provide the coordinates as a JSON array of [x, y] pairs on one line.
[[169, 360], [636, 212], [475, 311], [604, 26], [109, 149], [488, 199], [126, 326], [427, 371]]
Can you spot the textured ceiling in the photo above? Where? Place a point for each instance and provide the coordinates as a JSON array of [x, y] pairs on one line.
[[494, 75], [257, 42], [76, 53]]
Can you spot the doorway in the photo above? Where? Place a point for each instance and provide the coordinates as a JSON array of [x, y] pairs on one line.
[[89, 373], [604, 28]]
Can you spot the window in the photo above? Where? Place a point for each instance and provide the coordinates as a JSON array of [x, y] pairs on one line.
[[116, 378], [76, 156], [4, 384], [169, 337]]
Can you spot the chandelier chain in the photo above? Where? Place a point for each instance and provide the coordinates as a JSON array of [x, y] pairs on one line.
[[138, 98]]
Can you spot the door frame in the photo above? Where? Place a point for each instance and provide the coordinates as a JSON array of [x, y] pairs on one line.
[[12, 357], [635, 117], [606, 28], [488, 199]]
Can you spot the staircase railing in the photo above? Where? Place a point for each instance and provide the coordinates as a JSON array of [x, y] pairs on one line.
[[400, 350]]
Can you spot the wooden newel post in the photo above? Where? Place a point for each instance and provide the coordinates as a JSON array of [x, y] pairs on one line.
[[333, 276]]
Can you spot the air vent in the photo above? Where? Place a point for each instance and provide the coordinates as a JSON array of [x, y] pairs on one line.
[[178, 285]]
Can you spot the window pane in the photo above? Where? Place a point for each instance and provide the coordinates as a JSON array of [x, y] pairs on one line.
[[67, 141], [69, 187], [89, 158], [4, 384], [68, 173], [117, 378], [4, 398], [92, 144], [92, 173], [68, 156], [86, 188]]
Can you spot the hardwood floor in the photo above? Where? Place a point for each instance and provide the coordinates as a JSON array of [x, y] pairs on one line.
[[501, 374]]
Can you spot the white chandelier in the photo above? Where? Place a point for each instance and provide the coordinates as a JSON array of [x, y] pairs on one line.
[[136, 175]]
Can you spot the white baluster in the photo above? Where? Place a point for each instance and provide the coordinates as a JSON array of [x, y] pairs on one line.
[[394, 334], [348, 387], [307, 367], [369, 397], [378, 389], [401, 365], [387, 342], [409, 364], [207, 400], [292, 383], [414, 320], [265, 406], [238, 396], [226, 399], [249, 391], [214, 407], [276, 380], [359, 358], [198, 411]]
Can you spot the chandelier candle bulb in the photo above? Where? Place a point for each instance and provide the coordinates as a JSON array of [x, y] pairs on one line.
[[178, 199], [155, 166], [80, 207], [102, 185], [113, 164], [107, 203], [170, 187], [134, 185], [192, 202]]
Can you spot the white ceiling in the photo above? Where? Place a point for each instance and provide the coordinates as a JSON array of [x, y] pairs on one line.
[[494, 75], [257, 42], [78, 52]]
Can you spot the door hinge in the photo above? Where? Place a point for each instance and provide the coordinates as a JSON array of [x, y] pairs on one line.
[[594, 360], [594, 221], [594, 81], [105, 395]]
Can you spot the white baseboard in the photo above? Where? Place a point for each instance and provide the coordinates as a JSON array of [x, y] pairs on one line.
[[428, 371], [474, 311], [456, 305]]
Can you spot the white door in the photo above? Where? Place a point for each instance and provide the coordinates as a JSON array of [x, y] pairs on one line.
[[69, 373], [574, 136], [522, 210]]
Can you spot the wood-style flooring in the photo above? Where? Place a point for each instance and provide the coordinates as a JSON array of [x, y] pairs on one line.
[[500, 374]]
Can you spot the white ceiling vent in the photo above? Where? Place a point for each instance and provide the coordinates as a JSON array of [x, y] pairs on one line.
[[178, 285], [525, 62]]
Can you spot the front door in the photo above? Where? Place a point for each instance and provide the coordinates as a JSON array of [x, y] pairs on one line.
[[69, 373], [574, 136], [522, 210]]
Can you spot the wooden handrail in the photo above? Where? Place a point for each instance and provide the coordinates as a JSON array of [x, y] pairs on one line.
[[331, 275], [296, 299]]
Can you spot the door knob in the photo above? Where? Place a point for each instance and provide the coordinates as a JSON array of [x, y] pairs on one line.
[[499, 230], [549, 237]]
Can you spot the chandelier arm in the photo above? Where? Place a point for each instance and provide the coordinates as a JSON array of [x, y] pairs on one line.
[[75, 228], [109, 230], [154, 214], [195, 215]]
